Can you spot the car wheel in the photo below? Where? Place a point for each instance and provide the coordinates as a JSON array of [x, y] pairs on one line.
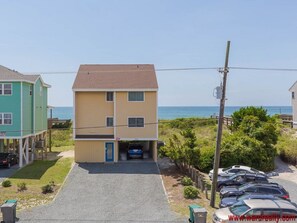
[[128, 156]]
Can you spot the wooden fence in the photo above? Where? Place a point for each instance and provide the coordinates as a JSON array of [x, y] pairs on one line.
[[227, 120], [197, 177], [286, 119]]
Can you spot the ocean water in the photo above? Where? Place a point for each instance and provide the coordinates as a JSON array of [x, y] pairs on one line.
[[172, 112]]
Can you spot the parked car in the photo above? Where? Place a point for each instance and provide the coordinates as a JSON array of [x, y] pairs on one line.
[[229, 171], [8, 159], [257, 210], [240, 179], [261, 188], [135, 151], [229, 201]]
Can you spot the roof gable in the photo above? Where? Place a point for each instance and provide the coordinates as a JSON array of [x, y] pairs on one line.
[[116, 77], [291, 88], [7, 74]]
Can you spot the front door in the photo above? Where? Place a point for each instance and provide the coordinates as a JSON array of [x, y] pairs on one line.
[[109, 151]]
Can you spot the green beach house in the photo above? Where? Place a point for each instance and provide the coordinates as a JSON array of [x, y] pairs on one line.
[[23, 112]]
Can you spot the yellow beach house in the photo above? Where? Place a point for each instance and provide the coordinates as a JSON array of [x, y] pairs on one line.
[[115, 106]]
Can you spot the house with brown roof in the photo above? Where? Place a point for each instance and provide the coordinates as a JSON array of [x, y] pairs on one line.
[[115, 108], [23, 113]]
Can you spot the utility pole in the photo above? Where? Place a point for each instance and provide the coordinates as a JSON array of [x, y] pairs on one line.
[[220, 130]]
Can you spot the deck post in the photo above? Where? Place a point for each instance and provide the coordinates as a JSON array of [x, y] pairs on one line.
[[21, 152], [27, 150]]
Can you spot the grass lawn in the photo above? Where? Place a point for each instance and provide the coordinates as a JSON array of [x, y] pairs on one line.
[[62, 148], [36, 175]]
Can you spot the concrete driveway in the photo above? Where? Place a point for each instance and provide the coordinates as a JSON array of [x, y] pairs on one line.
[[121, 192]]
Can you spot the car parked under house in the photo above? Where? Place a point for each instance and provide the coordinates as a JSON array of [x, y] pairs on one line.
[[114, 106]]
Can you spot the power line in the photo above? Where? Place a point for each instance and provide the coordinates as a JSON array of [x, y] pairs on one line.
[[104, 126], [170, 69], [264, 69], [136, 70]]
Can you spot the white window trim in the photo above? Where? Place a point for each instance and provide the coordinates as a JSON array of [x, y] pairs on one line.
[[112, 121], [2, 84], [2, 114], [136, 101], [106, 96], [136, 117]]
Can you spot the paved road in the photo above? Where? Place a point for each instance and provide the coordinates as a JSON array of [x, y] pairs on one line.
[[290, 186], [121, 192], [5, 172]]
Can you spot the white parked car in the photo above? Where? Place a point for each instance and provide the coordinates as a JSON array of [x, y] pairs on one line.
[[229, 171], [257, 210]]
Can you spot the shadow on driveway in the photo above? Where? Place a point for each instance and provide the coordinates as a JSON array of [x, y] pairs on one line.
[[120, 168]]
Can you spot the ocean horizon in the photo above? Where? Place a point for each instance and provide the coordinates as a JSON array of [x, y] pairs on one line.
[[173, 112]]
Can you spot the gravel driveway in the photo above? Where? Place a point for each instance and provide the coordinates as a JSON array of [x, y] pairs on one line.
[[121, 192]]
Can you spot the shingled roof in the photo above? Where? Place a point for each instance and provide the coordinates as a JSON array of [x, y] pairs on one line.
[[7, 74], [116, 77]]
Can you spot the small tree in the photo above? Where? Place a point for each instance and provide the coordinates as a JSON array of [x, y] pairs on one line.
[[182, 149]]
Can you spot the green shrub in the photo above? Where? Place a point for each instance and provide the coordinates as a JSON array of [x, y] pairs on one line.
[[190, 192], [206, 159], [6, 183], [191, 123], [47, 189], [187, 181], [62, 138], [239, 148], [22, 186], [287, 147]]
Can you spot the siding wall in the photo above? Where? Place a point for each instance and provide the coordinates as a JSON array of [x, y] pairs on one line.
[[294, 104], [40, 107], [27, 109], [91, 110], [92, 151], [146, 109], [12, 104]]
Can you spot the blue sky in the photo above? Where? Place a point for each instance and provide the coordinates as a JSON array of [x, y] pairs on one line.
[[59, 35]]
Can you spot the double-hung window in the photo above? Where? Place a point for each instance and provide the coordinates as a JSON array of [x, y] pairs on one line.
[[109, 96], [5, 119], [5, 89], [109, 122], [135, 122], [136, 96]]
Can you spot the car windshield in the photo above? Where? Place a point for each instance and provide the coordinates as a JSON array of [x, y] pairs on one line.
[[233, 176], [239, 208], [135, 147], [227, 168], [244, 186]]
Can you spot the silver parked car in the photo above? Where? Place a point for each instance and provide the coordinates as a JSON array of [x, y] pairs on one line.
[[230, 171], [257, 210]]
